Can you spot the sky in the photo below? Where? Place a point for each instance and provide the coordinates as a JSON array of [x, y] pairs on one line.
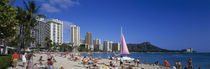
[[168, 24]]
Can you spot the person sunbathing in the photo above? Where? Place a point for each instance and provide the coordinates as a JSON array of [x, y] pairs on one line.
[[61, 67], [40, 59], [50, 64], [54, 60], [84, 61], [110, 63]]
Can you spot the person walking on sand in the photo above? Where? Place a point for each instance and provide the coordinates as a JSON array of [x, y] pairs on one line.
[[167, 63], [24, 59], [14, 59]]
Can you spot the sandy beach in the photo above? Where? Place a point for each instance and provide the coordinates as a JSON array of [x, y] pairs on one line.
[[67, 62]]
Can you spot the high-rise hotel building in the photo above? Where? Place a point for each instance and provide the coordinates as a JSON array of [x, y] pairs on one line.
[[97, 44], [75, 35], [107, 46], [55, 27], [52, 28], [116, 47], [41, 32], [88, 40]]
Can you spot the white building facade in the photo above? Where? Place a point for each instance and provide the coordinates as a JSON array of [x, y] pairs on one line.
[[75, 35], [53, 29], [97, 44], [107, 46]]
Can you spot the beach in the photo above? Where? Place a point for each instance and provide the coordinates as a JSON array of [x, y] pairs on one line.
[[67, 62]]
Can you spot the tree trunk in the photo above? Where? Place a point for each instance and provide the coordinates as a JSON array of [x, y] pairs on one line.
[[20, 39], [13, 1], [5, 46], [0, 46]]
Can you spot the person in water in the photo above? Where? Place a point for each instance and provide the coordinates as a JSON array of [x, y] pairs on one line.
[[156, 63], [178, 64], [14, 59], [190, 64], [167, 63]]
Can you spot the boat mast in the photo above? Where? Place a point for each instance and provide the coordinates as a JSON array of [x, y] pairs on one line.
[[121, 40]]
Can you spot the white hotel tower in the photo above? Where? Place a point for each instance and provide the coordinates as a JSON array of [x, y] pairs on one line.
[[52, 28], [56, 30], [75, 35]]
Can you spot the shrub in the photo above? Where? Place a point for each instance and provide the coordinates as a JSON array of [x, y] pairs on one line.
[[5, 61]]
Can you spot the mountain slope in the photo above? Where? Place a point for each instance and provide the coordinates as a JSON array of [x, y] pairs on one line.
[[145, 47]]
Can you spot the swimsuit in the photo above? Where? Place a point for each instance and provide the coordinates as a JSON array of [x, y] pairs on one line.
[[15, 60]]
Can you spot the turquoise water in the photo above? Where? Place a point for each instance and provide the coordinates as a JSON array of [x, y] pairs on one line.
[[199, 59]]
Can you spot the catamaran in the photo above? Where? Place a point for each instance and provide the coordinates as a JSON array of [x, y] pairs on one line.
[[124, 49]]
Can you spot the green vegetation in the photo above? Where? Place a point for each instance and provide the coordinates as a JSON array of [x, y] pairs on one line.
[[17, 19], [5, 61], [65, 47], [83, 49], [27, 21], [50, 46], [8, 22]]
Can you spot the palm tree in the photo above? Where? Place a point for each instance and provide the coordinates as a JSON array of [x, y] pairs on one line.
[[13, 1], [48, 43], [28, 20]]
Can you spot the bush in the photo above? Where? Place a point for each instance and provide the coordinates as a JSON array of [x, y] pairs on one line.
[[5, 61]]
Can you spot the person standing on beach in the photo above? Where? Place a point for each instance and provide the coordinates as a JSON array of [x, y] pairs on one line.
[[121, 61], [14, 59], [167, 63], [24, 59], [116, 59], [138, 62]]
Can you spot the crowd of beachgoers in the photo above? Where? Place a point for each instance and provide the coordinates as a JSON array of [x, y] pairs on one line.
[[67, 60]]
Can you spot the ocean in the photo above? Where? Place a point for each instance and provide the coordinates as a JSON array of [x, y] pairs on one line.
[[201, 60]]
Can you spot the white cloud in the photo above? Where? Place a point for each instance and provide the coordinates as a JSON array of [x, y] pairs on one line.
[[57, 5], [64, 3], [40, 0], [66, 26], [48, 8]]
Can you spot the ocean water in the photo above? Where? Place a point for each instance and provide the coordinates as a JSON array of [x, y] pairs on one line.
[[199, 59]]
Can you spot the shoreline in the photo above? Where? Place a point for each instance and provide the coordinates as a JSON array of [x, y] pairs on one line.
[[66, 62], [145, 52]]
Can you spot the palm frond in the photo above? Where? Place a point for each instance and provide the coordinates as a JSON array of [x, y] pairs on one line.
[[37, 9], [26, 5], [41, 16], [32, 6]]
